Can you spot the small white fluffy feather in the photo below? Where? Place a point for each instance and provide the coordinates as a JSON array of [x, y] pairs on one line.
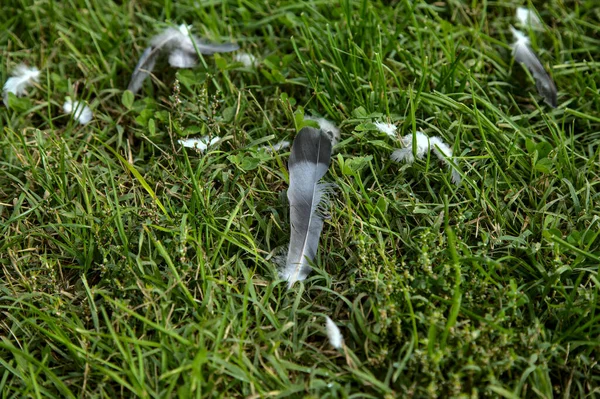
[[199, 143], [185, 29], [248, 60], [528, 19], [333, 333], [386, 128], [22, 78], [423, 145], [328, 127], [79, 109]]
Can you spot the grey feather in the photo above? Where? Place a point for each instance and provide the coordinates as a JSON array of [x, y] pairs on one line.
[[525, 55], [309, 161], [143, 68], [180, 47], [211, 48]]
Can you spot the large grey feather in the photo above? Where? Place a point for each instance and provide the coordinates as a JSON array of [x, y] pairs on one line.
[[525, 55], [180, 47], [164, 41], [309, 161]]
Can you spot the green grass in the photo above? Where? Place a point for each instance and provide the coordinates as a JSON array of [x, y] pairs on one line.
[[131, 267]]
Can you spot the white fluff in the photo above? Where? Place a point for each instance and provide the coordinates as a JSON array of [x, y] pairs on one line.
[[386, 128], [199, 143], [248, 60], [528, 19], [333, 333], [327, 126], [22, 78], [406, 154], [181, 59], [79, 109], [423, 145], [185, 29], [276, 147]]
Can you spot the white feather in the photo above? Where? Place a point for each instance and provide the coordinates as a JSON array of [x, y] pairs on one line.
[[199, 143], [528, 19], [81, 112], [22, 78], [423, 145], [386, 128], [327, 126], [248, 60], [444, 153], [406, 154], [333, 333]]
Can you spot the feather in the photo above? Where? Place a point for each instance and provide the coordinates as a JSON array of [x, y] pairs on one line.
[[423, 145], [328, 128], [181, 59], [525, 55], [386, 128], [528, 19], [248, 60], [333, 333], [309, 161], [180, 46], [143, 68], [22, 78], [444, 153], [406, 154], [81, 112], [200, 144]]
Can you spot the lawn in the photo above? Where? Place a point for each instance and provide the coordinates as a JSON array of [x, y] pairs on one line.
[[134, 267]]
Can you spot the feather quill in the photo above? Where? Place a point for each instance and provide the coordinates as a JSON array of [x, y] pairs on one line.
[[180, 46], [309, 161], [525, 55], [22, 78]]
